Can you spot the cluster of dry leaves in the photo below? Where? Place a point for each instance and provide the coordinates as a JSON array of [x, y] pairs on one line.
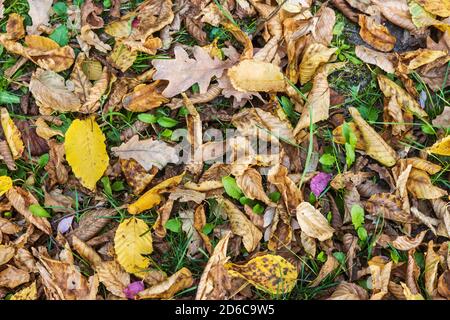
[[73, 254]]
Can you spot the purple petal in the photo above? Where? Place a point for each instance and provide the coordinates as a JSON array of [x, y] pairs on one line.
[[319, 182], [65, 224], [133, 289]]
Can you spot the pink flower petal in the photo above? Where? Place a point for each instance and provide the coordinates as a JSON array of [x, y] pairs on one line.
[[133, 289], [319, 182]]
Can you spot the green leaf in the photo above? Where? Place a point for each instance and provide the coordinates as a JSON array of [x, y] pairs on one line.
[[369, 113], [106, 186], [258, 209], [349, 154], [6, 97], [274, 196], [231, 187], [107, 3], [322, 257], [338, 28], [60, 8], [38, 211], [427, 129], [288, 107], [208, 228], [118, 186], [395, 256], [173, 225], [340, 256], [43, 160], [183, 112], [362, 233], [167, 122], [60, 35], [327, 159], [147, 117], [246, 201], [357, 213]]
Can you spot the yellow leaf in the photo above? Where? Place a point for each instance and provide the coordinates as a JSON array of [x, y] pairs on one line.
[[392, 90], [86, 151], [253, 75], [438, 7], [409, 295], [27, 293], [377, 35], [441, 147], [133, 240], [315, 55], [5, 184], [416, 59], [271, 273], [152, 198], [376, 147], [423, 18], [313, 223], [12, 134]]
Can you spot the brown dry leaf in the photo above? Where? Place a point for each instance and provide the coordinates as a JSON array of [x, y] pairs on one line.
[[215, 282], [444, 284], [91, 223], [143, 98], [39, 13], [90, 15], [122, 57], [182, 72], [14, 27], [194, 137], [136, 176], [329, 266], [431, 269], [8, 227], [241, 225], [380, 59], [148, 153], [313, 223], [6, 156], [420, 185], [280, 231], [349, 291], [88, 39], [44, 131], [253, 75], [418, 58], [380, 270], [250, 182], [55, 168], [405, 243], [185, 195], [12, 134], [292, 196], [180, 280], [376, 147], [318, 102], [315, 55], [199, 224], [58, 202], [7, 252], [51, 93], [397, 12], [13, 277], [388, 206], [422, 164], [21, 199], [378, 36], [443, 120]]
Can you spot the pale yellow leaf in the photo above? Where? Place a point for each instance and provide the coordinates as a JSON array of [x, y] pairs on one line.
[[12, 134]]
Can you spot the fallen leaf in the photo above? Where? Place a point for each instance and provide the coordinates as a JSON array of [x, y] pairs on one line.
[[143, 98], [378, 36], [27, 293], [406, 243], [12, 134], [13, 277], [312, 222], [133, 240], [90, 164], [180, 280], [388, 206], [315, 55], [270, 273], [39, 13], [250, 182], [441, 147], [5, 184], [420, 185], [380, 59]]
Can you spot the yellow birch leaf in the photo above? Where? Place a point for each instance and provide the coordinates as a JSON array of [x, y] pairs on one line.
[[441, 147], [5, 184], [376, 147], [152, 198], [270, 273], [27, 293], [12, 134], [133, 240], [86, 151], [253, 75]]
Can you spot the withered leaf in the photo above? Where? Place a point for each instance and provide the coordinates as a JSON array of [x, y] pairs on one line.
[[378, 36]]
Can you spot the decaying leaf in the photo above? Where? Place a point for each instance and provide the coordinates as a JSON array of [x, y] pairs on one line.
[[379, 59], [270, 273], [180, 280], [378, 36], [12, 134], [313, 223]]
